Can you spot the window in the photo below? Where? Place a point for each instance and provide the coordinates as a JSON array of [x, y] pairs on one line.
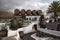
[[29, 18], [26, 18], [35, 18]]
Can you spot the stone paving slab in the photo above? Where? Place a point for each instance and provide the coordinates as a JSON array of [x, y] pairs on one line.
[[25, 37], [9, 38], [28, 36]]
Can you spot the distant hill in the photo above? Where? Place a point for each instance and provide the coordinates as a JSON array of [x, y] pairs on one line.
[[5, 14]]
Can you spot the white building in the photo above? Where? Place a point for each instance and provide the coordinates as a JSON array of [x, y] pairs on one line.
[[32, 18]]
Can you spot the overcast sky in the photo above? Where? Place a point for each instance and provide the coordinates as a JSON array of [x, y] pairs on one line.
[[10, 5]]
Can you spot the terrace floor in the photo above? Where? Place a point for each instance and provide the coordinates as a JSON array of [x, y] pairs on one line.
[[30, 36]]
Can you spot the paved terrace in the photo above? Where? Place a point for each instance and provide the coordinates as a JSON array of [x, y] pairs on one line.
[[44, 31]]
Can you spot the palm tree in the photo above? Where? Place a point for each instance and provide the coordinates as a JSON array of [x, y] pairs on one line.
[[39, 12], [54, 8], [23, 13], [16, 12], [28, 12]]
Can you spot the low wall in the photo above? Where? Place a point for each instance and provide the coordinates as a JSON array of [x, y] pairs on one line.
[[48, 33]]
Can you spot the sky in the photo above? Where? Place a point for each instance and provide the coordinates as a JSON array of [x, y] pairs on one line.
[[10, 5]]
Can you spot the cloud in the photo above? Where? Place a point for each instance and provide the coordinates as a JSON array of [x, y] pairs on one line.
[[33, 4], [10, 5]]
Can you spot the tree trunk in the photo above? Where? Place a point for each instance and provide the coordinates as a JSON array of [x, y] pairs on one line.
[[55, 16]]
